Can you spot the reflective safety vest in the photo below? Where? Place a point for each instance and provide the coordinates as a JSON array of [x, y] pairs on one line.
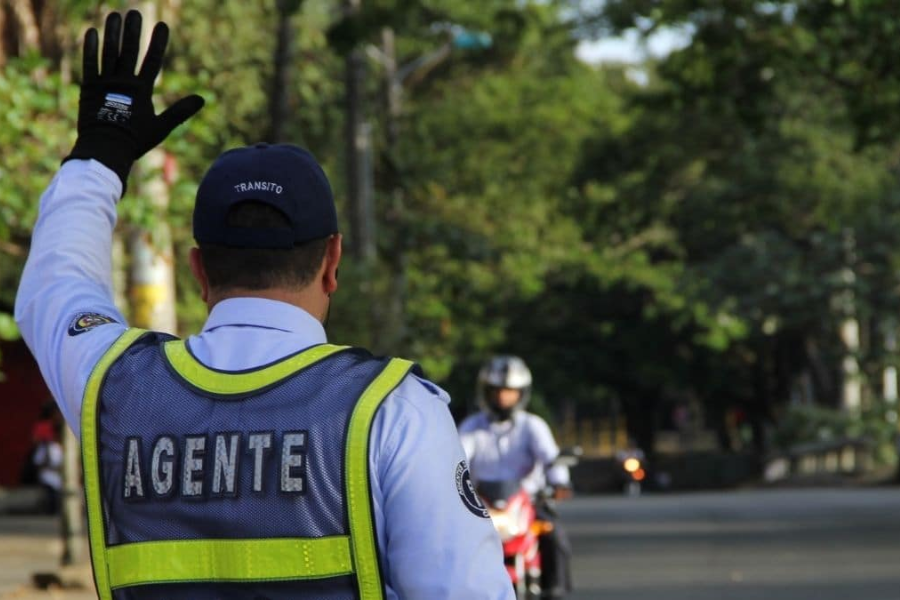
[[252, 484]]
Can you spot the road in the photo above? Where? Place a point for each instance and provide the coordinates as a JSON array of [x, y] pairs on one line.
[[811, 544], [841, 544]]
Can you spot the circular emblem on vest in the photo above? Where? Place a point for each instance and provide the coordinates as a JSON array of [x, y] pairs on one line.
[[467, 491]]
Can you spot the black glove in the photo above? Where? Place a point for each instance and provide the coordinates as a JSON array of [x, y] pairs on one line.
[[116, 121]]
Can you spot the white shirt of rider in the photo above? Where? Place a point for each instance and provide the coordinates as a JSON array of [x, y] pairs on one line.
[[518, 448]]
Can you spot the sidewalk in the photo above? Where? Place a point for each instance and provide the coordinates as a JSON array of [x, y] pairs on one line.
[[30, 544]]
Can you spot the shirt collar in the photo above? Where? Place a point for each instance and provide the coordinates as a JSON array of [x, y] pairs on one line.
[[268, 314]]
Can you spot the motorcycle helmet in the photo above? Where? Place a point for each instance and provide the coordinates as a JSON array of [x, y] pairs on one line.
[[499, 373]]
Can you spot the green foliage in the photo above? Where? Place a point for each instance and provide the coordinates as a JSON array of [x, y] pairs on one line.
[[810, 424], [8, 332], [483, 164], [8, 329], [700, 236], [38, 130], [227, 58]]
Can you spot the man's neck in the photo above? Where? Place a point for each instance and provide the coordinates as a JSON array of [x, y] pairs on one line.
[[302, 298]]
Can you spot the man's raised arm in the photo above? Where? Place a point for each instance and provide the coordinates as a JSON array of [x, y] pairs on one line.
[[65, 293]]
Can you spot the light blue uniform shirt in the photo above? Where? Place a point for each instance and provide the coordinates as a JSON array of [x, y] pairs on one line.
[[522, 447], [432, 546]]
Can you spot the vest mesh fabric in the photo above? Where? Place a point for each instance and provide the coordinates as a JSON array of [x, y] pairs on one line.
[[143, 397]]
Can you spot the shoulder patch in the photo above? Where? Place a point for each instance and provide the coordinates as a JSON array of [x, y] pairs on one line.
[[87, 321], [467, 493]]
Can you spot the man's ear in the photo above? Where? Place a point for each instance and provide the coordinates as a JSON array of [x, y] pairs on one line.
[[199, 271], [332, 262]]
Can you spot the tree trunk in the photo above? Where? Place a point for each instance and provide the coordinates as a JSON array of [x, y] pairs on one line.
[[822, 376], [358, 153], [279, 94], [851, 398], [28, 28], [152, 281], [52, 35], [393, 329], [4, 52], [73, 503], [897, 450], [393, 90], [719, 416], [758, 407]]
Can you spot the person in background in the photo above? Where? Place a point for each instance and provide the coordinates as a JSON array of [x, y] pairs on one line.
[[47, 457], [503, 441]]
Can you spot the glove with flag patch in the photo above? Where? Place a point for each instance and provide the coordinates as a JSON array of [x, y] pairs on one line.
[[116, 120]]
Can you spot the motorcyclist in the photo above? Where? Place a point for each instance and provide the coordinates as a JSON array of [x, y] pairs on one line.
[[503, 441]]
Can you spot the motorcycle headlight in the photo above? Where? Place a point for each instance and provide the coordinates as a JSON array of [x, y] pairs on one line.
[[507, 523]]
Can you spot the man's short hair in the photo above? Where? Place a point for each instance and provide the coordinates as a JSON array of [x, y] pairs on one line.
[[256, 268]]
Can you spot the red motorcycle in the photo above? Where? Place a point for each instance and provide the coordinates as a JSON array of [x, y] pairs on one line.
[[515, 519]]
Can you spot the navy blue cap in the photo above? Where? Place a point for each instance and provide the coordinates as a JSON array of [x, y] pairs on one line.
[[283, 176]]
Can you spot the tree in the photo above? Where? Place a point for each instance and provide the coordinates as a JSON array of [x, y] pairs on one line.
[[747, 150]]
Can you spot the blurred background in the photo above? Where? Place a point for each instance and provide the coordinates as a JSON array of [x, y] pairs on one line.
[[683, 214]]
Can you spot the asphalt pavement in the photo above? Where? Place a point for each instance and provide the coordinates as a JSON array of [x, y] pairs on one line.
[[810, 544]]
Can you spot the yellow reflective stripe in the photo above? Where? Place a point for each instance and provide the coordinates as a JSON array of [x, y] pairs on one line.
[[362, 530], [231, 560], [91, 460], [218, 382]]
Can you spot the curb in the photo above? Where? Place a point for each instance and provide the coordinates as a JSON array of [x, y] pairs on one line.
[[26, 499]]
